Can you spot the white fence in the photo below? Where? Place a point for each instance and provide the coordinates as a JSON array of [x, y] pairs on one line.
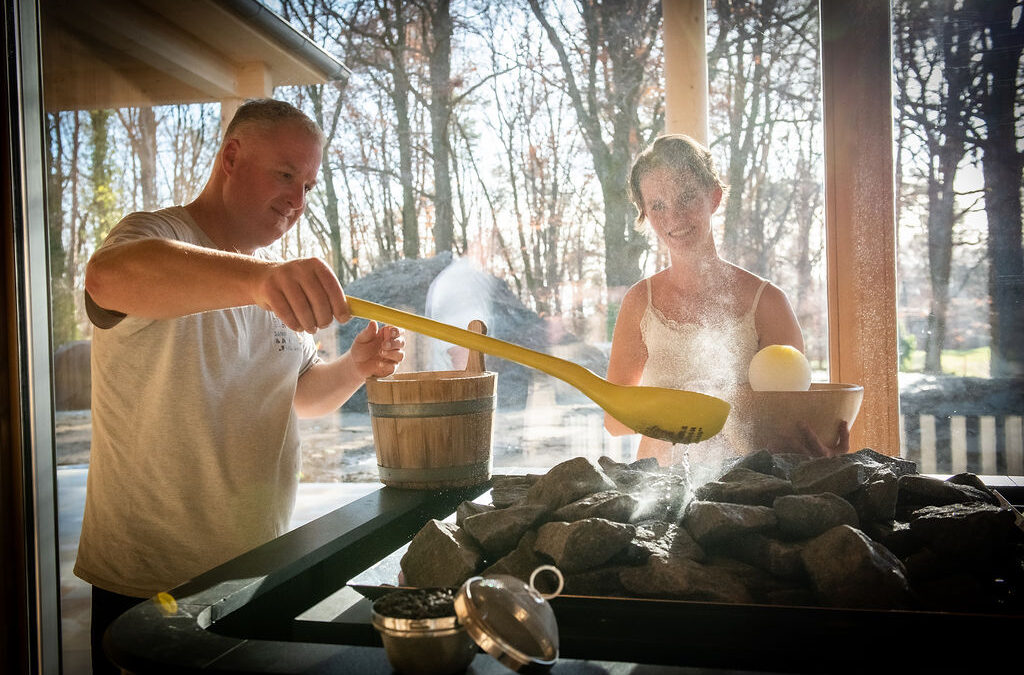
[[984, 444]]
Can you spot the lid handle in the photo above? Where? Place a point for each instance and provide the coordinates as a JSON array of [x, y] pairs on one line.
[[558, 575]]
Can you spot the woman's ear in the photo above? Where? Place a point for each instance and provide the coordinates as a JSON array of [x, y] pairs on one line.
[[716, 198]]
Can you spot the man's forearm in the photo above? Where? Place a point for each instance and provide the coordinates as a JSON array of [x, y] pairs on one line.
[[162, 279]]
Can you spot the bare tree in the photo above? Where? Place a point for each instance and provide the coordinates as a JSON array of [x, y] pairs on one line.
[[386, 25], [62, 171], [932, 47], [612, 53], [326, 101], [1001, 42], [141, 127], [765, 119], [436, 15], [194, 133]]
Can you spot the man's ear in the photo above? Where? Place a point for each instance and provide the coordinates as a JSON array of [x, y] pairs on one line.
[[229, 155]]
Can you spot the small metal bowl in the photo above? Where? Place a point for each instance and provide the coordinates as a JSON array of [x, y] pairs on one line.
[[423, 646]]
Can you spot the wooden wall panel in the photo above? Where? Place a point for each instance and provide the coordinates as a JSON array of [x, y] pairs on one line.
[[686, 68], [859, 218]]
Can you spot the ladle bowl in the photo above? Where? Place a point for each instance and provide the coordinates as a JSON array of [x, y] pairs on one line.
[[668, 414]]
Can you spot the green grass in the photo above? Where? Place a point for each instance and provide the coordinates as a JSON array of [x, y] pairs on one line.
[[962, 362]]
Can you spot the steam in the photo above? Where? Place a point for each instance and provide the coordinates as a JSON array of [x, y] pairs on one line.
[[710, 357], [461, 293]]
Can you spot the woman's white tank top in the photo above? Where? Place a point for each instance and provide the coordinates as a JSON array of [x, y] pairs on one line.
[[698, 357], [710, 358]]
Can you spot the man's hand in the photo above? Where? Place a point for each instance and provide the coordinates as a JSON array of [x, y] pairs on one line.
[[377, 351], [303, 293], [813, 446]]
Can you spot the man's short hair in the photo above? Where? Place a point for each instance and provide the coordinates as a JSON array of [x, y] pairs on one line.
[[266, 113]]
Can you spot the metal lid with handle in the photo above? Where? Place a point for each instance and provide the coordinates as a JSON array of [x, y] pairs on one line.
[[510, 619]]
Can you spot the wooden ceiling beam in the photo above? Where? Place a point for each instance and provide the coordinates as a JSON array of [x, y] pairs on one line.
[[135, 31]]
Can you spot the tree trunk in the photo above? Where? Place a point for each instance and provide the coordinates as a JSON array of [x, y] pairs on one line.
[[440, 111], [935, 42], [332, 216], [1002, 169], [145, 147], [623, 33], [62, 304], [940, 255], [400, 96]]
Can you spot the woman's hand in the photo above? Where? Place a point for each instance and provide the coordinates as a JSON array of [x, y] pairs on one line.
[[377, 350], [813, 446]]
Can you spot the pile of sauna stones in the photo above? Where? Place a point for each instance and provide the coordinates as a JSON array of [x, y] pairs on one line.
[[862, 530]]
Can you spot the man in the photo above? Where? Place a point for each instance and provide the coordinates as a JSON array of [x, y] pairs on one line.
[[202, 358]]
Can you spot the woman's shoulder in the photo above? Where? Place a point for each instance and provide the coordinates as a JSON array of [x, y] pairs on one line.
[[756, 292], [639, 291], [744, 279]]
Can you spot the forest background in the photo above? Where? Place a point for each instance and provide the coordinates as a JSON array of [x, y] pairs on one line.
[[503, 131]]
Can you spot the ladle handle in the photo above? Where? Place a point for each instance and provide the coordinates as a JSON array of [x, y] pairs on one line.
[[572, 373]]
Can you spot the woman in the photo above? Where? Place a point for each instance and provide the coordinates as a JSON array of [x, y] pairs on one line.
[[696, 324]]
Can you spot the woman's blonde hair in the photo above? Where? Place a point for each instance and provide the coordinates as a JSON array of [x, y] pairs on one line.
[[678, 152]]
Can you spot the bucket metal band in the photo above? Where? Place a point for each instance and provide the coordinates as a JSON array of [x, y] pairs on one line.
[[480, 470], [439, 409]]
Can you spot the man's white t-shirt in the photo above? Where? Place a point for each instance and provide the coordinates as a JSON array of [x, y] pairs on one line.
[[195, 446]]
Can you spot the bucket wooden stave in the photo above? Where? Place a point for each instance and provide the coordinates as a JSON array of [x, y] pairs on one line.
[[434, 429]]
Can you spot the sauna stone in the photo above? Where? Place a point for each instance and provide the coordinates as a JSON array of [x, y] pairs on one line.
[[609, 504], [882, 544], [467, 509], [663, 497], [498, 532], [600, 581], [761, 461], [657, 537], [875, 501], [838, 475], [710, 522], [915, 490], [762, 585], [509, 490], [806, 516], [440, 555], [848, 569], [521, 561], [898, 465], [894, 535], [683, 579], [966, 532], [566, 482], [779, 558], [744, 486], [584, 544], [970, 479], [631, 474]]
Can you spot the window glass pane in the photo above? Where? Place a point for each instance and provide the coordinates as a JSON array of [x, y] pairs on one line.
[[533, 208], [958, 107], [764, 70], [496, 189]]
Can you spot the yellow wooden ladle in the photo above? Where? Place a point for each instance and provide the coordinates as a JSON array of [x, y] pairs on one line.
[[667, 414]]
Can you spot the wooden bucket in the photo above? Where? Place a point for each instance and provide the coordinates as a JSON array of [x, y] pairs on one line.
[[433, 429]]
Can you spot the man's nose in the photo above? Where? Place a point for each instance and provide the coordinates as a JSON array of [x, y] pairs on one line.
[[297, 197]]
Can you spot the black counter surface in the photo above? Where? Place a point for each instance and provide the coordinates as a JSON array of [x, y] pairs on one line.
[[253, 615]]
